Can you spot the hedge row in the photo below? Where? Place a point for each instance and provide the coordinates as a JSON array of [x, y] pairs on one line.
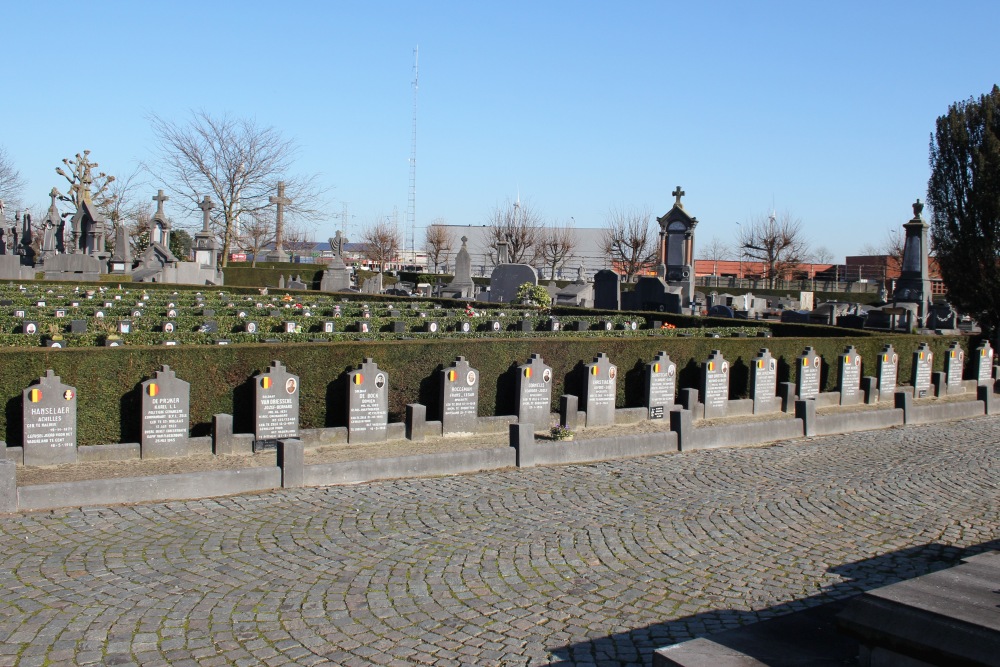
[[107, 381]]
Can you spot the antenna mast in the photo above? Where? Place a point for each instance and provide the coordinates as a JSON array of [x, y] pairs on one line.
[[411, 212]]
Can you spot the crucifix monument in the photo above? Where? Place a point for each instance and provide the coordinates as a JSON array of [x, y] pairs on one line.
[[279, 254], [676, 251]]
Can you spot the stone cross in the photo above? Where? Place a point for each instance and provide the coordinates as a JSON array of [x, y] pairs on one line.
[[337, 244], [159, 199], [279, 221], [206, 205], [678, 193]]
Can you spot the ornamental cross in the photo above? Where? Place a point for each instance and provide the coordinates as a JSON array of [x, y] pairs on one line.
[[206, 205], [159, 199], [281, 200], [678, 193]]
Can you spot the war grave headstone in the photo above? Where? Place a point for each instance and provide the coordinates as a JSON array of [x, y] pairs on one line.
[[367, 404], [49, 422], [276, 413], [600, 391], [715, 385], [459, 398], [984, 366], [849, 377], [953, 368], [661, 385], [166, 409], [534, 390], [810, 365], [764, 383], [923, 364], [888, 372]]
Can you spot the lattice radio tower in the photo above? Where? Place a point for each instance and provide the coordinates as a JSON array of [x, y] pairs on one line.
[[411, 210]]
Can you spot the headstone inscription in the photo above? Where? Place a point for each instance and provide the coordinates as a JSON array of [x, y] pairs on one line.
[[661, 385], [600, 391], [49, 421], [534, 390], [984, 367], [715, 385], [764, 383], [849, 377], [276, 414], [459, 398], [166, 408], [888, 372], [810, 364], [923, 364], [953, 368], [367, 404]]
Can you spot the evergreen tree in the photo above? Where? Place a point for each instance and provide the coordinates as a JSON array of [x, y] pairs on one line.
[[964, 194]]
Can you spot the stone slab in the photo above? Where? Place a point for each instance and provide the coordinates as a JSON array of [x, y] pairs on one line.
[[425, 465]]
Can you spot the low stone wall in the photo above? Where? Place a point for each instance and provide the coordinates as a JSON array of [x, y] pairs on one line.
[[424, 465], [603, 449]]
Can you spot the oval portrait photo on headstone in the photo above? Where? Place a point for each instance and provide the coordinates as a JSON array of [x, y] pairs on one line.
[[291, 385], [380, 380], [612, 372], [470, 378], [547, 375]]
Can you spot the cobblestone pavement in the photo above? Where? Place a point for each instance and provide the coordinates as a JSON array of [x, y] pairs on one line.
[[591, 564]]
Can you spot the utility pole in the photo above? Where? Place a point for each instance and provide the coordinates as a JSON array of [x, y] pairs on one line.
[[412, 208]]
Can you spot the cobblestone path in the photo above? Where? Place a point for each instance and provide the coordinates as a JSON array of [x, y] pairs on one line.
[[595, 564]]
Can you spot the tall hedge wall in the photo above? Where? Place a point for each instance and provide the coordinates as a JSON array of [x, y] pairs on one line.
[[107, 379]]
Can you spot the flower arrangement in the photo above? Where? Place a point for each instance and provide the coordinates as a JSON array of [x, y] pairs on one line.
[[667, 325], [561, 432]]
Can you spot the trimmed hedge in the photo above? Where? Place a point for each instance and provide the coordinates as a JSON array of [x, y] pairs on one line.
[[107, 380]]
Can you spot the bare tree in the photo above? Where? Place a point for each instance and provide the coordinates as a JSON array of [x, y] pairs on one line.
[[629, 241], [122, 205], [518, 225], [717, 250], [238, 163], [890, 247], [11, 183], [556, 246], [255, 233], [81, 177], [438, 242], [775, 242], [822, 255], [380, 242]]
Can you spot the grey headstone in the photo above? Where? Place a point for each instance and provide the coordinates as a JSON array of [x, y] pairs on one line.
[[506, 279], [807, 379], [166, 407], [276, 413], [661, 385], [764, 383], [600, 391], [607, 290], [459, 398], [849, 377], [49, 415], [953, 368], [534, 390], [715, 385], [923, 365], [367, 404], [78, 326], [888, 372], [984, 365]]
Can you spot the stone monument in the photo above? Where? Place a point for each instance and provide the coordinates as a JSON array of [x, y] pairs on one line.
[[849, 377], [675, 254], [459, 398], [49, 422], [888, 372], [600, 391], [367, 404], [923, 365], [462, 286], [534, 390], [337, 277], [715, 385], [764, 383], [661, 385], [810, 367], [166, 407], [914, 285], [276, 413], [279, 254]]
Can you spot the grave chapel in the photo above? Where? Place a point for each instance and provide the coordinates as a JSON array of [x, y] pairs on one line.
[[675, 252]]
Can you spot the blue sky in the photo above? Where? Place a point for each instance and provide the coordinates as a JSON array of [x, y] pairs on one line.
[[823, 110]]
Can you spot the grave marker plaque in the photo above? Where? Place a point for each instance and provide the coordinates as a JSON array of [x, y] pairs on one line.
[[459, 398], [49, 419], [166, 409], [534, 390], [923, 364], [715, 385], [849, 377], [276, 414], [367, 404], [984, 367], [764, 383], [810, 365], [600, 391], [954, 365], [888, 372], [661, 385]]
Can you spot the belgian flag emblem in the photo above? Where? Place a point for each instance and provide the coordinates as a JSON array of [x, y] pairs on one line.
[[359, 378], [265, 382], [451, 376], [805, 362], [527, 372], [656, 368], [594, 370], [153, 389], [711, 365], [885, 358], [760, 364], [35, 395]]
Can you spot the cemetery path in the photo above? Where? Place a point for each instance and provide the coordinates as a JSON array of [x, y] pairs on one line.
[[587, 564]]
